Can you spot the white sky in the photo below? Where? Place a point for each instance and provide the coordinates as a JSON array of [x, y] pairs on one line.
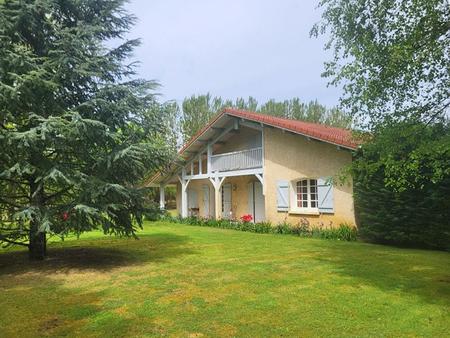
[[232, 48]]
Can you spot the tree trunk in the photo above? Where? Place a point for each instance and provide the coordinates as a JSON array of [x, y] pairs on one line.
[[37, 249]]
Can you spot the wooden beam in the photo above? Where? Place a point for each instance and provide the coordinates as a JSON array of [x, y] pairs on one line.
[[251, 125]]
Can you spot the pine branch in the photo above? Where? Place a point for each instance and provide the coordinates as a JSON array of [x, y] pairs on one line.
[[57, 194], [4, 239]]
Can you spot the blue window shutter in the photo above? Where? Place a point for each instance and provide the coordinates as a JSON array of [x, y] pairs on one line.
[[282, 195], [325, 194]]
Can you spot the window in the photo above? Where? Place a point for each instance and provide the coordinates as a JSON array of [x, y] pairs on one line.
[[306, 194]]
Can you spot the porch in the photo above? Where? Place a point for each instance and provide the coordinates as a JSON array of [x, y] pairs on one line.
[[224, 172], [238, 196], [225, 153]]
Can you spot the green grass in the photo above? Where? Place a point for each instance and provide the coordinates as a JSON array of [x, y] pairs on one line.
[[187, 281]]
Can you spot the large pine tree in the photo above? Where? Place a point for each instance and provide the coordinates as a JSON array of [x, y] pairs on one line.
[[77, 130]]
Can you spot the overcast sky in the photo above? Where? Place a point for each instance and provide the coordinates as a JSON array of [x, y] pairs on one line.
[[232, 48]]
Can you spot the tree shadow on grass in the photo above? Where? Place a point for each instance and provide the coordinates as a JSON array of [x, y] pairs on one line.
[[101, 254], [75, 287], [414, 272]]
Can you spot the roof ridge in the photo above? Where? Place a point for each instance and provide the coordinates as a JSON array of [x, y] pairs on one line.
[[284, 118]]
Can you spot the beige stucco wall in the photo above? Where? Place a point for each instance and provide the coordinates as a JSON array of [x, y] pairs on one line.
[[244, 138], [239, 194], [197, 185], [291, 157]]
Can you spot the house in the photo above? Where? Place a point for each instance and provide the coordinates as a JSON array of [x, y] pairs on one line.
[[272, 168]]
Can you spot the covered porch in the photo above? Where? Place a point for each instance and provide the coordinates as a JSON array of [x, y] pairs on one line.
[[236, 196], [222, 173]]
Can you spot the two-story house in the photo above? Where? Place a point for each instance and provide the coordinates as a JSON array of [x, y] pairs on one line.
[[272, 168]]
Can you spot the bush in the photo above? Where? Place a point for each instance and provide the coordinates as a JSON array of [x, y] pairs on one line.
[[344, 232], [283, 228], [263, 228], [152, 212], [413, 217], [402, 185]]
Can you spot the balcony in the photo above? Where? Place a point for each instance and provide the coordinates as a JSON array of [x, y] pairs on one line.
[[237, 160]]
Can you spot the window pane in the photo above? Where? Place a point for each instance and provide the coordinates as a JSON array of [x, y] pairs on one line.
[[302, 193], [313, 193]]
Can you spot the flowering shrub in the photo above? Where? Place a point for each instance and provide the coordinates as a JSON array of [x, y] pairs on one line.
[[246, 218], [344, 232]]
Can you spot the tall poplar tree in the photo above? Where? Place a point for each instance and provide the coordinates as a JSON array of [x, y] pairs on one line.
[[77, 130]]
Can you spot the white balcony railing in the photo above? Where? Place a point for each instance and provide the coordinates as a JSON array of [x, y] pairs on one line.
[[245, 159]]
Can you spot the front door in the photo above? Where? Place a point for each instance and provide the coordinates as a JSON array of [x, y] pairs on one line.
[[192, 202], [256, 205], [206, 212], [226, 201]]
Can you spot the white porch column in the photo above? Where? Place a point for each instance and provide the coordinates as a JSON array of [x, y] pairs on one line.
[[217, 183], [162, 197], [184, 197], [217, 204]]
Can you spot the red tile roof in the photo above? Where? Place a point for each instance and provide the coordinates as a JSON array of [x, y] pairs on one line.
[[339, 136]]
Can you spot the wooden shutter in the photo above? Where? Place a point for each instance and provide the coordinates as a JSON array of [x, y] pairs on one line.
[[325, 194], [282, 195]]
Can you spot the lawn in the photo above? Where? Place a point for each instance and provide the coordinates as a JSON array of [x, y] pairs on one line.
[[187, 281]]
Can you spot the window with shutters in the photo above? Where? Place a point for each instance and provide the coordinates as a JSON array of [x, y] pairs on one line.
[[304, 196]]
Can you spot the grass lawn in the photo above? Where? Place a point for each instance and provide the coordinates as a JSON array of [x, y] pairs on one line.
[[187, 281]]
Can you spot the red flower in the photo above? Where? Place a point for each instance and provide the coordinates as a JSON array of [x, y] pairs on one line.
[[246, 218], [65, 216]]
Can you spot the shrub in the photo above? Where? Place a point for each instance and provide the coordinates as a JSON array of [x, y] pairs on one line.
[[263, 227], [344, 232], [302, 228], [347, 232], [283, 228], [152, 212], [247, 218]]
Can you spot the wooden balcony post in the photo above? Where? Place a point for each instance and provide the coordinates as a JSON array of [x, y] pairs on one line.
[[208, 158]]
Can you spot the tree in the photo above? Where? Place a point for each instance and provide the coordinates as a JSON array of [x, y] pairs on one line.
[[309, 112], [198, 110], [392, 57], [417, 214], [77, 133]]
